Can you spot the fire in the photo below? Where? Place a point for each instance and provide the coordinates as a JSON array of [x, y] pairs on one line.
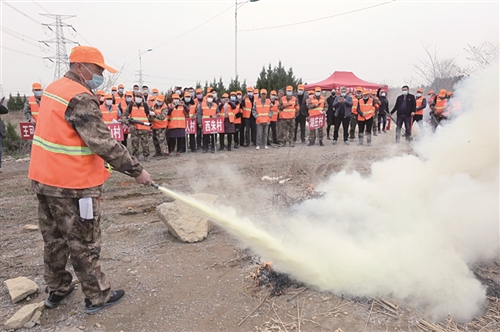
[[277, 282]]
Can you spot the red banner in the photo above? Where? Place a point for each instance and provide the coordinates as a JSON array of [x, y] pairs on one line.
[[316, 121], [213, 125], [190, 126], [116, 130], [27, 130]]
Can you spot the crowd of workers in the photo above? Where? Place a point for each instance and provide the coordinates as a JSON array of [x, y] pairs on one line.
[[255, 118]]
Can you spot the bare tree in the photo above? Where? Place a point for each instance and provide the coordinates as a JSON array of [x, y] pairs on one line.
[[481, 56], [439, 73]]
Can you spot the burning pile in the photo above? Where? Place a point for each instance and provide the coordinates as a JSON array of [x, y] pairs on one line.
[[272, 279]]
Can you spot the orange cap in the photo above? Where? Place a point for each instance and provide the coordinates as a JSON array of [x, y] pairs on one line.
[[420, 90], [210, 95], [160, 97], [225, 95], [100, 93], [300, 87], [199, 90], [36, 86], [129, 93], [317, 89], [152, 98], [108, 96], [187, 94], [175, 96], [262, 91], [114, 88], [232, 93], [431, 92], [239, 92], [273, 93], [89, 54], [289, 88], [310, 92], [360, 89], [365, 91], [442, 93], [154, 90], [249, 89], [120, 86]]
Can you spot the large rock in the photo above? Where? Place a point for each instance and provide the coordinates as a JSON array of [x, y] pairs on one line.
[[20, 287], [184, 222], [22, 316]]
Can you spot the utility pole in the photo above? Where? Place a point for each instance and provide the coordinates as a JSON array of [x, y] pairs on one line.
[[61, 56]]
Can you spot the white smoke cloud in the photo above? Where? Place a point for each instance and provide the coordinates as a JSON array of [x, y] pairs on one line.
[[408, 230]]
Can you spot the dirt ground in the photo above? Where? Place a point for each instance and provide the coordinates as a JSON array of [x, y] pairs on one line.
[[206, 286]]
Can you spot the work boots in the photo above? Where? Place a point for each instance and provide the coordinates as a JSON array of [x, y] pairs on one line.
[[360, 139]]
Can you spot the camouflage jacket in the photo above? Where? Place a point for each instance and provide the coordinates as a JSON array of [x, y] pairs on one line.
[[84, 115]]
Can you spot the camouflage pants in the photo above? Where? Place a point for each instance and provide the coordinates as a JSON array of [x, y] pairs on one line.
[[141, 136], [312, 134], [65, 234], [159, 140], [288, 129]]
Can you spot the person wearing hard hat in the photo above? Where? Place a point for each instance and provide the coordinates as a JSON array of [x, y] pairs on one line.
[[354, 113], [366, 113], [383, 109], [342, 106], [119, 95], [238, 115], [272, 125], [100, 96], [109, 111], [227, 110], [300, 119], [158, 119], [136, 118], [32, 105], [249, 123], [262, 112], [67, 173], [289, 109], [405, 105], [439, 110], [420, 105], [316, 105], [207, 109], [176, 116]]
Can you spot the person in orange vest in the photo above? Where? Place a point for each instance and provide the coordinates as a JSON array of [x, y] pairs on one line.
[[109, 111], [439, 109], [316, 105], [420, 105], [177, 125], [138, 110], [67, 175], [159, 123], [192, 105], [288, 111], [122, 107], [263, 113], [366, 112], [151, 101], [119, 95], [207, 109], [238, 115], [100, 96], [32, 105], [376, 102], [249, 125], [272, 125], [227, 110], [354, 113]]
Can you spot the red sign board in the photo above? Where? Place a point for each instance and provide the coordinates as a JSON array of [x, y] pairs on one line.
[[116, 130], [212, 125], [27, 130], [190, 126], [316, 121]]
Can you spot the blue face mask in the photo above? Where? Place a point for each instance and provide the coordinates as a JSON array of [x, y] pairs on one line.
[[96, 80]]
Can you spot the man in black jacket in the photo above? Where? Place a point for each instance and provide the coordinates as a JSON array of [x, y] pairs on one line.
[[405, 106], [330, 112]]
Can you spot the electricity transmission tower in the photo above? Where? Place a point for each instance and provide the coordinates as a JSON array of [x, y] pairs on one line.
[[61, 56]]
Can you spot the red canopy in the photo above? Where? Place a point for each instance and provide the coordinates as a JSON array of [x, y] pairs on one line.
[[342, 78]]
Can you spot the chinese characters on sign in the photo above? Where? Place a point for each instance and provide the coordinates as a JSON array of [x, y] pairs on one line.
[[316, 121], [212, 125], [27, 130], [190, 126], [116, 130]]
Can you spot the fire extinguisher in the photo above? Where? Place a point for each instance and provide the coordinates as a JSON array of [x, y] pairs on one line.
[[388, 124]]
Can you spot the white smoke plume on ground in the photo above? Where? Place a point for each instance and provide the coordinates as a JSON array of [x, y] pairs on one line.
[[412, 228]]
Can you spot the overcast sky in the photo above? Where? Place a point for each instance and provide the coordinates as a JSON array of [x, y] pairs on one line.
[[379, 44]]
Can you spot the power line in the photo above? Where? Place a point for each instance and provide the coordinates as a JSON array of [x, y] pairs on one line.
[[18, 37], [13, 50], [17, 10], [36, 3], [321, 18]]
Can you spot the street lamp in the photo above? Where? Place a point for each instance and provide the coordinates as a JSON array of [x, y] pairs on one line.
[[140, 65], [236, 6]]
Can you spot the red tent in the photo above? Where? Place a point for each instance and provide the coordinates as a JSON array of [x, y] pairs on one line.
[[342, 78]]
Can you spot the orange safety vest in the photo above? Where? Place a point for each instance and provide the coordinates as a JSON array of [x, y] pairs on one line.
[[208, 112], [247, 108], [34, 107], [59, 156], [441, 107], [263, 111], [118, 99], [289, 111], [177, 118], [159, 124], [230, 113], [367, 109], [107, 115], [354, 108], [275, 109], [192, 110], [319, 105], [139, 114], [237, 110], [418, 103]]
